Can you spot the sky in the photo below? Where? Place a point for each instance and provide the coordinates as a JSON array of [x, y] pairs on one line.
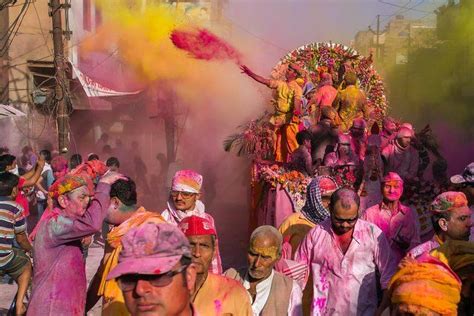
[[283, 25]]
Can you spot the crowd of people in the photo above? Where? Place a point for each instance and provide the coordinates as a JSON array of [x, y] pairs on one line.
[[353, 249]]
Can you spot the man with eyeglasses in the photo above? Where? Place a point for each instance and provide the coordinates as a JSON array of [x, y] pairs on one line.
[[184, 201], [345, 254], [155, 272], [213, 294]]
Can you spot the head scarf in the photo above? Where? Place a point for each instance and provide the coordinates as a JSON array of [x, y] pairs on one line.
[[66, 184], [392, 177], [426, 284], [187, 181], [448, 201], [314, 209], [197, 226]]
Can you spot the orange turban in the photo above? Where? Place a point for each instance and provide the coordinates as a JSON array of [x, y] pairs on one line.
[[426, 285]]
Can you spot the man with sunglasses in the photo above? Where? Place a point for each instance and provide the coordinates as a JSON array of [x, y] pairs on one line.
[[345, 254], [155, 272], [184, 201]]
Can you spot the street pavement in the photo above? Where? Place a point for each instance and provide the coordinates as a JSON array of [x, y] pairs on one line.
[[7, 291]]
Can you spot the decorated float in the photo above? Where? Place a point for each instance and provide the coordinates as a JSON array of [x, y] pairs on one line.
[[277, 190]]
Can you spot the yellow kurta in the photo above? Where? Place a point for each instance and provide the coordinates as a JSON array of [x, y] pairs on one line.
[[351, 103], [220, 295], [113, 303]]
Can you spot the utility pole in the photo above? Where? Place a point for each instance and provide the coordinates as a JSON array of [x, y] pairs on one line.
[[377, 50], [62, 86], [4, 23]]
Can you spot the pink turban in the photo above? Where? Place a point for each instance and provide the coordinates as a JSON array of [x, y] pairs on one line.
[[187, 181]]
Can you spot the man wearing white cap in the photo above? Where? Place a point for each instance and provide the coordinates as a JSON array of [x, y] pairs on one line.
[[184, 202], [400, 156]]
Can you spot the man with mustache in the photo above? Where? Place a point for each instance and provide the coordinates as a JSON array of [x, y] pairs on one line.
[[213, 294], [398, 222], [184, 201], [271, 292], [344, 254], [451, 218]]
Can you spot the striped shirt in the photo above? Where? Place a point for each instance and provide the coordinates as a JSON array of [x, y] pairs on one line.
[[12, 221]]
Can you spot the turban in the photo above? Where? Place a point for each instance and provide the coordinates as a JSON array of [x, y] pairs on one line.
[[426, 284], [405, 132], [187, 181], [327, 185], [448, 201], [66, 184], [391, 177], [196, 226], [59, 163]]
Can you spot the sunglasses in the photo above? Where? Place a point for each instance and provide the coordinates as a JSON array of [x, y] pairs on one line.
[[185, 195], [128, 282]]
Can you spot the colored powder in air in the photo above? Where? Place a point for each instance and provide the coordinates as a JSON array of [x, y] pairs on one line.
[[203, 44]]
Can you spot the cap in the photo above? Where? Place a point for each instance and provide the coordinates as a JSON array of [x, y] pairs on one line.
[[466, 177], [196, 226], [187, 181], [359, 123], [449, 201], [151, 249]]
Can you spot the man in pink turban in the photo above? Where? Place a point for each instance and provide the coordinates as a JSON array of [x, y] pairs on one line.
[[184, 201]]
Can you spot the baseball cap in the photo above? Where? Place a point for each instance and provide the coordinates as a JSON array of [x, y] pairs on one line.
[[151, 249]]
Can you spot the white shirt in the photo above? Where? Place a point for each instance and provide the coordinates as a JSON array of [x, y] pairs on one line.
[[263, 292]]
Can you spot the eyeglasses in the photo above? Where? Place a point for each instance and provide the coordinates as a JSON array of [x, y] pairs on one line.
[[128, 282], [185, 195], [345, 220]]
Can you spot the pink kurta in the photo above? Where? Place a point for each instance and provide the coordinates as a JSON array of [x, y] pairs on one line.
[[346, 284], [399, 226], [59, 279]]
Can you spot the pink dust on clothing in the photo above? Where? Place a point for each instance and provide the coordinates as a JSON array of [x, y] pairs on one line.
[[346, 284], [59, 280], [325, 96], [401, 227], [202, 44]]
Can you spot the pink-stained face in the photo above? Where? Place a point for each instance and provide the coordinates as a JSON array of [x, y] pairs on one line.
[[76, 201], [392, 190]]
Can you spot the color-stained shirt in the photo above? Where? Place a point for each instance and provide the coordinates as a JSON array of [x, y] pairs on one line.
[[12, 222], [59, 279], [325, 95], [284, 100], [346, 284], [351, 103], [400, 227], [220, 295]]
